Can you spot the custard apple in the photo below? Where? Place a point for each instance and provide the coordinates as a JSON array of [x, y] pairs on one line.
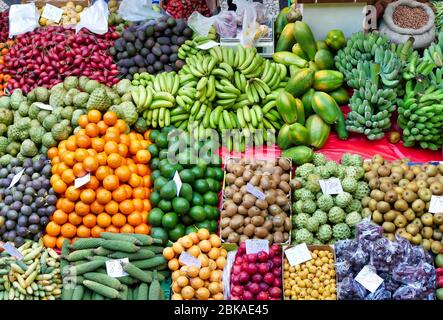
[[336, 215], [23, 109], [50, 121], [67, 113], [304, 194], [312, 183], [346, 159], [354, 206], [91, 86], [42, 115], [312, 224], [41, 94], [5, 102], [304, 236], [70, 82], [98, 100], [6, 116], [5, 160], [343, 199], [356, 160], [321, 216], [353, 218], [48, 141], [3, 144], [126, 111], [341, 231], [56, 99], [300, 220], [82, 81], [362, 190], [324, 233], [349, 184], [317, 242], [304, 170], [15, 134], [319, 159], [309, 206], [332, 167], [340, 172], [28, 148], [325, 202], [36, 134], [16, 98], [13, 148], [80, 100], [60, 132], [123, 86], [297, 206]]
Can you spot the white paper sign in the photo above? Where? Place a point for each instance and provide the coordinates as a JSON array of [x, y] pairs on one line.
[[114, 267], [16, 178], [79, 182], [208, 45], [43, 106], [255, 192], [257, 245], [52, 13], [189, 260], [368, 278], [9, 248], [178, 182], [331, 186], [436, 204], [298, 254]]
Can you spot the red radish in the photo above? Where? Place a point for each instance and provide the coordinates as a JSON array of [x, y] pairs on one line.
[[263, 296], [262, 256]]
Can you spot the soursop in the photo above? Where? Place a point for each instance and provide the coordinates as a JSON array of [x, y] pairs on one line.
[[304, 194], [23, 109], [324, 233], [123, 86], [349, 184], [355, 172], [82, 81], [319, 159], [325, 202], [48, 141], [5, 102], [321, 216], [304, 236], [70, 82], [312, 224], [126, 111], [343, 199], [6, 116], [354, 206], [98, 100], [362, 190], [28, 148], [300, 220], [33, 111], [60, 132], [41, 94], [309, 206], [336, 215], [304, 170], [49, 121], [16, 98], [353, 218], [341, 231]]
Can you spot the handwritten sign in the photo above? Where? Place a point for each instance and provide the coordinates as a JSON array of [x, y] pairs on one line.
[[298, 254], [255, 192], [189, 260], [257, 245], [16, 178], [9, 248], [369, 279], [331, 186], [52, 13], [43, 106], [114, 267], [178, 182], [80, 182], [436, 204]]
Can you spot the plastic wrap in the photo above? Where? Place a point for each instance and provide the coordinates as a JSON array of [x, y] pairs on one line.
[[137, 10], [22, 18], [94, 18], [246, 12], [349, 289], [225, 22]]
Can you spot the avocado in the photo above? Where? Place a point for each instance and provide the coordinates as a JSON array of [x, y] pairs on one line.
[[149, 31], [149, 43], [125, 55], [133, 70], [160, 26], [128, 35], [181, 25], [158, 65], [144, 52], [179, 64], [151, 58], [176, 30], [141, 70], [150, 69], [129, 77], [174, 47], [164, 58], [173, 57], [163, 40], [141, 35], [165, 49], [171, 22], [119, 56], [119, 44], [123, 70], [167, 32], [180, 40], [127, 63], [168, 68], [187, 32], [138, 44], [139, 60], [158, 34], [130, 49], [112, 51], [157, 51]]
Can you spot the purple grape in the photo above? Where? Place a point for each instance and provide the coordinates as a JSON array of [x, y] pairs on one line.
[[6, 182], [4, 211], [29, 171], [33, 228], [12, 215], [8, 200], [3, 173], [41, 212], [46, 184], [17, 196], [47, 170], [37, 236], [22, 221], [27, 199], [21, 187], [27, 163], [22, 231], [34, 218], [2, 230], [29, 190], [40, 202], [26, 210], [39, 165], [51, 199], [10, 225], [17, 205], [14, 162], [10, 235], [44, 221], [17, 170], [19, 241], [50, 210], [51, 191]]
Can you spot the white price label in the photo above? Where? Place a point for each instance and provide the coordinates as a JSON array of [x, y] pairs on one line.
[[298, 254], [178, 182], [255, 192], [208, 45], [189, 260], [331, 186], [80, 182], [257, 245], [43, 106], [436, 204], [16, 178], [52, 13], [368, 278], [9, 248], [114, 267]]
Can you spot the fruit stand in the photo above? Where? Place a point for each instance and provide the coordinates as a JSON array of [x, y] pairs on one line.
[[163, 152]]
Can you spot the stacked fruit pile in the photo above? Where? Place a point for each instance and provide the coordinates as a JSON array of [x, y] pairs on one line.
[[70, 15], [4, 78], [114, 196]]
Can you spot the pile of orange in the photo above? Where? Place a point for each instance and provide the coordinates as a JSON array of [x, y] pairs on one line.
[[4, 78], [116, 198]]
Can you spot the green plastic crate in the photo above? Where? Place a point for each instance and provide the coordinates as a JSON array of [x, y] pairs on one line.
[[166, 287]]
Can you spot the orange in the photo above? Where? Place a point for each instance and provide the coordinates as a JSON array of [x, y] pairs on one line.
[[82, 209], [96, 231], [68, 176], [126, 207], [134, 219], [111, 182], [53, 229], [81, 154], [134, 146], [66, 205], [92, 152], [68, 230], [92, 130], [110, 118], [127, 228], [59, 186], [123, 150], [56, 159], [114, 160], [94, 116], [52, 152], [71, 143], [124, 139], [59, 217], [61, 168], [102, 172], [78, 170], [103, 220], [118, 220], [119, 194], [139, 193], [102, 127], [83, 232], [90, 164], [93, 183], [114, 137], [49, 241], [147, 181], [101, 158], [135, 180], [138, 204], [83, 120], [98, 144], [114, 131], [111, 147], [96, 207], [128, 190], [59, 242], [83, 141], [142, 229], [142, 169], [74, 218], [103, 196], [111, 207], [69, 158], [72, 193], [87, 196], [123, 173], [54, 168], [142, 156], [113, 229]]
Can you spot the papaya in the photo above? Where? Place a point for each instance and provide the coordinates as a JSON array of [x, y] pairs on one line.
[[300, 111], [327, 80], [298, 134], [303, 35], [286, 39], [287, 106], [307, 102], [313, 66], [340, 126], [299, 154], [321, 45], [340, 96], [281, 21], [324, 59], [288, 58], [301, 82], [298, 51], [318, 131], [325, 106], [335, 39], [293, 70], [283, 140]]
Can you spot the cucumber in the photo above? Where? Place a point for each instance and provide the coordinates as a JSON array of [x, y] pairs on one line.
[[144, 276], [87, 295], [104, 279], [121, 237], [128, 280], [124, 293], [118, 245], [143, 291], [64, 252], [102, 289], [150, 263], [96, 296], [140, 255], [86, 243]]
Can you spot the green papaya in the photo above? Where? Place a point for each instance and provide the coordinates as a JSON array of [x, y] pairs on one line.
[[288, 58], [299, 154], [327, 80], [313, 66], [298, 51], [303, 35], [321, 45], [335, 39], [301, 82], [340, 126], [340, 96], [307, 102], [318, 131], [325, 106], [298, 134], [300, 111], [286, 39], [324, 59], [287, 106], [281, 21], [293, 70], [283, 140]]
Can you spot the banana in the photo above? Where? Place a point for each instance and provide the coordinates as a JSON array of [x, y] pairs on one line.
[[234, 120], [224, 51], [231, 89], [269, 76], [201, 113], [204, 64], [251, 68], [266, 69], [206, 118], [243, 82], [258, 112], [164, 96], [249, 58], [220, 72], [210, 87], [142, 97], [211, 65], [185, 77], [155, 117], [195, 72], [202, 83], [195, 108], [237, 80], [254, 92], [226, 102], [219, 53], [217, 114], [231, 56], [241, 52], [259, 89], [136, 95], [227, 68], [246, 114], [241, 119], [161, 117], [249, 93], [226, 95], [227, 120]]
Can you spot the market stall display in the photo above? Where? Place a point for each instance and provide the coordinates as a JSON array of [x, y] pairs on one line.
[[70, 15]]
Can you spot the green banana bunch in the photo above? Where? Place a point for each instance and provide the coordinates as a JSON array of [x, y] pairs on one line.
[[438, 6], [189, 48]]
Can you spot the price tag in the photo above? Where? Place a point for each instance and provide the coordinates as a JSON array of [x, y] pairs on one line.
[[298, 254], [43, 106], [257, 245], [368, 278], [16, 178], [52, 13], [9, 248], [178, 182], [208, 45], [331, 186], [436, 204], [189, 260], [80, 182], [255, 192], [114, 267]]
